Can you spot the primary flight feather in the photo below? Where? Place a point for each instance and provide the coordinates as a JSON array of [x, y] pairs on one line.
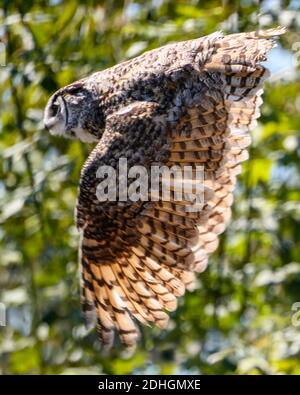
[[190, 103]]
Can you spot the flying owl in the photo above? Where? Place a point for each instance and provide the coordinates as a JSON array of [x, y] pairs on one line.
[[188, 103]]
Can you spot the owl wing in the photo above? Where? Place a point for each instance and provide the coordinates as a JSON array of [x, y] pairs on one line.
[[155, 247]]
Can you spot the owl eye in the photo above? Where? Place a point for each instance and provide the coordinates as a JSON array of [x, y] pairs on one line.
[[76, 91], [78, 94]]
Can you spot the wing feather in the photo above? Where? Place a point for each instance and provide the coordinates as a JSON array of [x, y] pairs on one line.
[[137, 262]]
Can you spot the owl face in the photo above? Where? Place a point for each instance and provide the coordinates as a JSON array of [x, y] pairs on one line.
[[74, 112]]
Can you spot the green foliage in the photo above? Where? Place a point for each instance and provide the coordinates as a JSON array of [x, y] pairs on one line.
[[239, 318]]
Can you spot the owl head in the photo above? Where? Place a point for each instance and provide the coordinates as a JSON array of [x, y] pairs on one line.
[[75, 112]]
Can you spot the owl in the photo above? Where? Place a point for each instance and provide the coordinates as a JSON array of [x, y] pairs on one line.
[[187, 104]]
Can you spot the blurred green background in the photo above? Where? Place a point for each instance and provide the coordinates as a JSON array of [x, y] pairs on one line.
[[240, 319]]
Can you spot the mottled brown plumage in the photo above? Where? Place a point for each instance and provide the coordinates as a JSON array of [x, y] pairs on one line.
[[187, 103]]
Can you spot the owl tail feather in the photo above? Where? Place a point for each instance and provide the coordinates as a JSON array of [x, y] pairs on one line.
[[131, 289]]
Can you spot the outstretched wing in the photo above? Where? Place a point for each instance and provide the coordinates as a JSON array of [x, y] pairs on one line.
[[138, 257]]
